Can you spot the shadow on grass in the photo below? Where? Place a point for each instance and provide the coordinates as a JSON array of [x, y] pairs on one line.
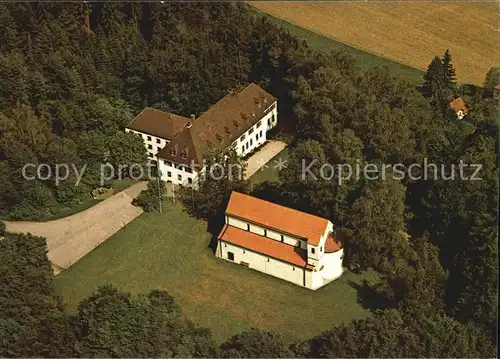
[[368, 296], [216, 223]]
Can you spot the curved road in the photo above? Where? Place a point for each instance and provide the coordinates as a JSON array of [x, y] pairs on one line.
[[72, 237]]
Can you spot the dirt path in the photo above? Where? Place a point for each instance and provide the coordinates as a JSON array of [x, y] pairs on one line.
[[265, 154], [72, 237]]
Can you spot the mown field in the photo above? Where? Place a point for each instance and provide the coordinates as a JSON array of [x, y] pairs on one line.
[[170, 251], [410, 33]]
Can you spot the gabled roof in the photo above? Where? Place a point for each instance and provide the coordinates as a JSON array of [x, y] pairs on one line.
[[274, 216], [458, 104], [220, 125], [158, 123], [267, 246]]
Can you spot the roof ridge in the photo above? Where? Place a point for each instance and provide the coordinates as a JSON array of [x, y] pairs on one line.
[[279, 205]]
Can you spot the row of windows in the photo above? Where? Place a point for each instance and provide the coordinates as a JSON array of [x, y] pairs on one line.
[[157, 140], [179, 167], [150, 147], [243, 136], [179, 177], [149, 138], [297, 244], [250, 143]]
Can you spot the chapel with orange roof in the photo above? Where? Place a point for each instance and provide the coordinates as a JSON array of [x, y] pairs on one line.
[[288, 244]]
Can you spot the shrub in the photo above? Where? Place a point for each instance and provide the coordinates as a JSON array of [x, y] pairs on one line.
[[149, 199], [2, 228]]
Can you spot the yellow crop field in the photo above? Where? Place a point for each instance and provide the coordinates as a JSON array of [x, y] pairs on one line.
[[407, 32]]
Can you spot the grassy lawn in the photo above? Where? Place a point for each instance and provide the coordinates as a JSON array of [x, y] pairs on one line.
[[270, 173], [170, 251], [364, 59]]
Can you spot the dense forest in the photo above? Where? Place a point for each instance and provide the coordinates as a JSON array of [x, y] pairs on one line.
[[73, 74]]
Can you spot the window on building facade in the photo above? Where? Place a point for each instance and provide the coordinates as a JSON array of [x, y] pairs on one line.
[[248, 227], [158, 140], [251, 131], [312, 250], [251, 142], [189, 170], [282, 239], [230, 256], [190, 180], [150, 147], [269, 122], [169, 174], [258, 124], [242, 137], [179, 177], [150, 154], [260, 133], [293, 268], [149, 138], [321, 249]]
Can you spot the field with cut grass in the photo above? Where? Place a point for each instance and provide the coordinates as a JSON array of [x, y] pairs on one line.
[[171, 251], [410, 33]]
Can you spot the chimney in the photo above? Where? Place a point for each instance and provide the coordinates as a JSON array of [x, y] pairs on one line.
[[265, 100], [192, 117]]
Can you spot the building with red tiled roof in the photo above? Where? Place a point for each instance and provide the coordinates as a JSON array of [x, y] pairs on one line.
[[458, 106], [280, 241], [179, 145]]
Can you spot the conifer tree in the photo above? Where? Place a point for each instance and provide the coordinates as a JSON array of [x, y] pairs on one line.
[[449, 72], [433, 80]]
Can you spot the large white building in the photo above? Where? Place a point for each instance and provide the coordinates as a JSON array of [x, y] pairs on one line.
[[280, 241], [179, 144]]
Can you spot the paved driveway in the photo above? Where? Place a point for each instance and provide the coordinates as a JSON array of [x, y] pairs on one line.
[[264, 155], [72, 237]]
